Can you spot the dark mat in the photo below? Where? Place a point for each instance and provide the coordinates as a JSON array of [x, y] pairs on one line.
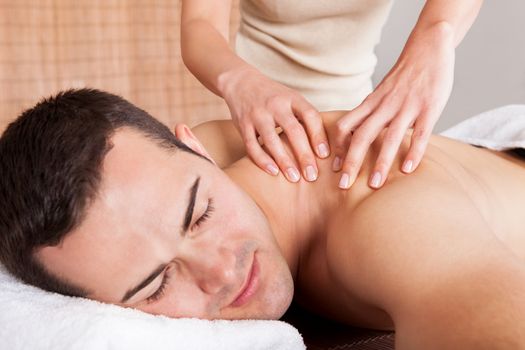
[[323, 334]]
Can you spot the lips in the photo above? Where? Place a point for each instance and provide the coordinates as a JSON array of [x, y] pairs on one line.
[[250, 285]]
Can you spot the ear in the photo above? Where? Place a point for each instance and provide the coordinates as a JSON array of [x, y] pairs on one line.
[[184, 134]]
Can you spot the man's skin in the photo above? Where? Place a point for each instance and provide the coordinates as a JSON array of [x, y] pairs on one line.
[[438, 254]]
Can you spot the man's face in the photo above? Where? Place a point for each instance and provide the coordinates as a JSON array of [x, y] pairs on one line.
[[175, 220]]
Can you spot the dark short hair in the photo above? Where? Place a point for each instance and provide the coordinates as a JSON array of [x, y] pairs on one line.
[[50, 162]]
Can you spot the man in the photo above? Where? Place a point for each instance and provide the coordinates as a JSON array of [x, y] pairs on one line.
[[102, 201]]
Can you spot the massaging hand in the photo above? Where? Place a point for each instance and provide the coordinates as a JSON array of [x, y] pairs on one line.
[[413, 93], [258, 105]]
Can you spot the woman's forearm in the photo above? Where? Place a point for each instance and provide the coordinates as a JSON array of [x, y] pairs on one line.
[[205, 48], [458, 15]]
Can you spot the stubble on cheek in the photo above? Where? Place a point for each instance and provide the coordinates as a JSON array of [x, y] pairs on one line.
[[243, 261]]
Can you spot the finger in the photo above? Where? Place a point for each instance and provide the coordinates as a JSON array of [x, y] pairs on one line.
[[418, 144], [314, 126], [362, 138], [256, 153], [391, 142], [300, 145], [275, 147], [345, 125]]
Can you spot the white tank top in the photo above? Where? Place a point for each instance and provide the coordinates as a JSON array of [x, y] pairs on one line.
[[322, 48]]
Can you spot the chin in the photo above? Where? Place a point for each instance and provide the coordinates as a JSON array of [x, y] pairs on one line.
[[272, 303], [279, 299]]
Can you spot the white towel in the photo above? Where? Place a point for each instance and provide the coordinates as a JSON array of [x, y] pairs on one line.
[[498, 129], [33, 319]]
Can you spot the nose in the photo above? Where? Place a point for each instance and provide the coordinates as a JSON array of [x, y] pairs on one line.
[[213, 269]]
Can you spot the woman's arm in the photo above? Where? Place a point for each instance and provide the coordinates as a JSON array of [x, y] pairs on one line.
[[257, 103], [205, 27], [458, 15], [414, 92]]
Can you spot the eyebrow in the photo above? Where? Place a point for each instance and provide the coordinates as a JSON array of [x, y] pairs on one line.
[[191, 205], [144, 283], [185, 226]]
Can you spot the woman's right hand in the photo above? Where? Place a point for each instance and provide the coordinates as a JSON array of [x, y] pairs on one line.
[[258, 105]]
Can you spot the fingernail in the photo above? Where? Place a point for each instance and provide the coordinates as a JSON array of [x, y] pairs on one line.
[[375, 180], [407, 167], [336, 165], [272, 169], [311, 174], [323, 150], [344, 183], [293, 174]]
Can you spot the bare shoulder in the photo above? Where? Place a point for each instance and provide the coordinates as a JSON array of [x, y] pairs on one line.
[[224, 143], [221, 140], [399, 242]]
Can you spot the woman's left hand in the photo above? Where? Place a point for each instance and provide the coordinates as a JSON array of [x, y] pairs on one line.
[[413, 93]]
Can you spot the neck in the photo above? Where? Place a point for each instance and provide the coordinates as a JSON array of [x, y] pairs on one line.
[[297, 212]]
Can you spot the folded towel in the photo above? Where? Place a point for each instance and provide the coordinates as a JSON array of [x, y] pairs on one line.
[[498, 129], [31, 318]]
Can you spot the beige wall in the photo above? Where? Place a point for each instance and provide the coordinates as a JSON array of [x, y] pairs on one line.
[[130, 47]]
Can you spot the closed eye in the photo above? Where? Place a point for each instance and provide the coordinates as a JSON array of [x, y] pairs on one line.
[[206, 215], [159, 292]]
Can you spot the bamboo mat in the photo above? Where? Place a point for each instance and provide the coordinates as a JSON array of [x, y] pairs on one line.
[[128, 47]]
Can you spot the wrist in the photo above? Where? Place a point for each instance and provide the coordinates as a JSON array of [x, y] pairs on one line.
[[229, 80], [428, 42], [440, 33]]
